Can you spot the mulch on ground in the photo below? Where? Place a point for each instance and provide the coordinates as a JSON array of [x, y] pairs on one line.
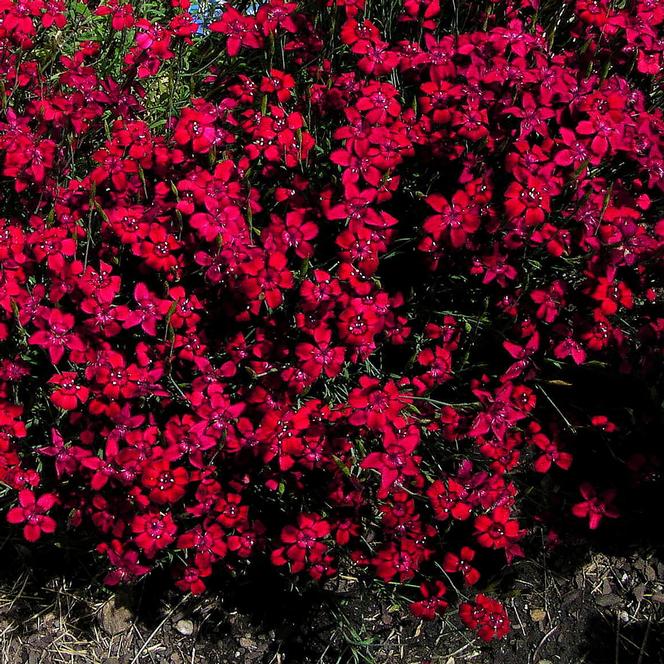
[[567, 607]]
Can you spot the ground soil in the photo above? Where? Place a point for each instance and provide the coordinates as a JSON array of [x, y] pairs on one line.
[[569, 606]]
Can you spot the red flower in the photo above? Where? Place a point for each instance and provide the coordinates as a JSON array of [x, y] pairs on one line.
[[126, 567], [396, 463], [433, 602], [241, 31], [190, 579], [158, 249], [449, 499], [358, 323], [595, 507], [302, 543], [462, 563], [486, 616], [68, 458], [533, 116], [208, 542], [549, 301], [122, 14], [603, 423], [611, 295], [277, 14], [268, 279], [58, 337], [496, 530], [320, 357], [68, 395], [153, 532], [402, 560], [32, 512], [551, 453], [166, 484], [295, 232], [530, 201], [458, 218], [499, 414], [376, 406], [150, 311], [196, 126], [244, 541], [569, 347], [230, 510]]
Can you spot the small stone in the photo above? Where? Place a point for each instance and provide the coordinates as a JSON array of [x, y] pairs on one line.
[[537, 615], [114, 618], [606, 601], [185, 627], [49, 618]]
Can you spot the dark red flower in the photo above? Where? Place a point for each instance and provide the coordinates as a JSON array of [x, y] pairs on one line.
[[69, 394], [432, 603], [462, 563], [595, 506], [486, 616], [166, 484], [241, 31], [496, 530], [153, 532], [32, 512], [303, 545], [58, 336]]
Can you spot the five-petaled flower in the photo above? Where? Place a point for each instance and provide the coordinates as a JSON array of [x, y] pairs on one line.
[[595, 506], [31, 511]]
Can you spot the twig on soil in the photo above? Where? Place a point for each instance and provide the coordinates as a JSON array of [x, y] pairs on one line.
[[518, 617], [458, 651], [533, 657], [546, 577], [621, 635], [642, 649], [156, 629]]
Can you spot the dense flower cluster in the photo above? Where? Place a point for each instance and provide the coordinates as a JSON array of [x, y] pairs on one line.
[[300, 285]]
